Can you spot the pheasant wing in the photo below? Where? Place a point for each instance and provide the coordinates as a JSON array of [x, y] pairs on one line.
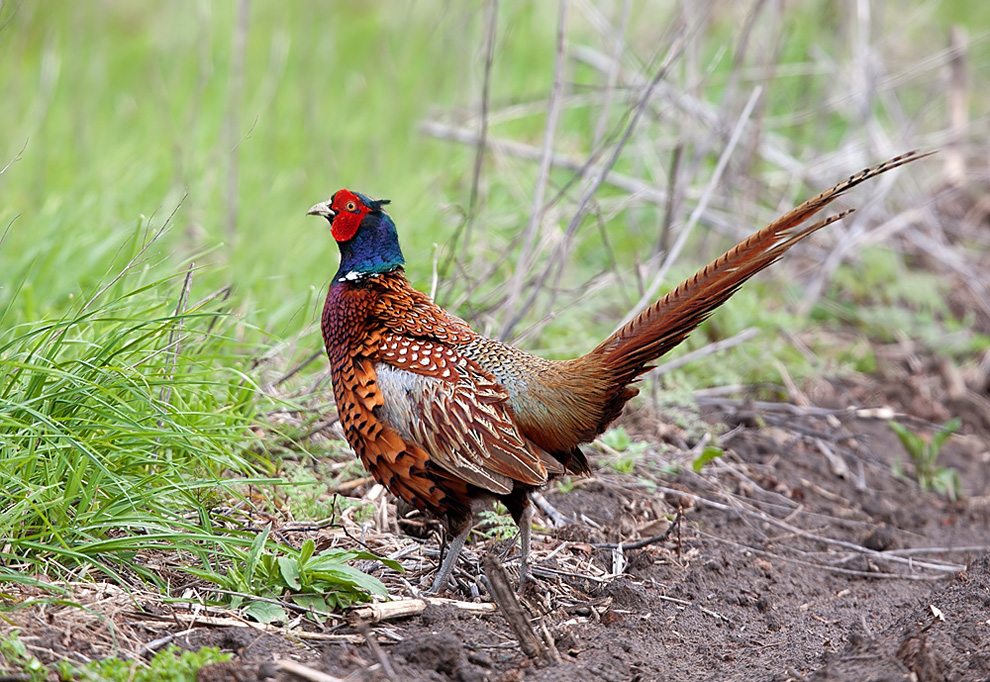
[[456, 411]]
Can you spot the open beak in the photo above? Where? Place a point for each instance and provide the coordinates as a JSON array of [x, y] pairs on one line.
[[322, 209]]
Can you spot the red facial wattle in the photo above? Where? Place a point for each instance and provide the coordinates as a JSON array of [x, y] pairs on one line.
[[350, 211]]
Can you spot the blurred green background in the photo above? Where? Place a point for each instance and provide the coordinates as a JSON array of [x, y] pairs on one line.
[[124, 108]]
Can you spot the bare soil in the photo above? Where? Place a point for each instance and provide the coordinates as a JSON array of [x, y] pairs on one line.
[[800, 555]]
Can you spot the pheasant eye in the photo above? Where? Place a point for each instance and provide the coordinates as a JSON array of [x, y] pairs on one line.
[[351, 206]]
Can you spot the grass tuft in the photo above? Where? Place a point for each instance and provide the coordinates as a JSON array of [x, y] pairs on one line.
[[124, 430]]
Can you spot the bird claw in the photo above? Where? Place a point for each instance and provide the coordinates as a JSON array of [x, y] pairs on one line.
[[526, 581], [435, 588]]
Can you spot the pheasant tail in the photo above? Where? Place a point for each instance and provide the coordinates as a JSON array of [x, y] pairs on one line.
[[629, 351]]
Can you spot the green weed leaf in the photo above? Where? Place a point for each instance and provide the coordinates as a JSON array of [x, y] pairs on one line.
[[265, 612], [709, 454]]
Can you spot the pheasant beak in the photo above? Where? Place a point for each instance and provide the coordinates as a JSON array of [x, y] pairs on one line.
[[323, 209]]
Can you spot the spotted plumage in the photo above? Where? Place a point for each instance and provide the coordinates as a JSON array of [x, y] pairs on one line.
[[449, 420]]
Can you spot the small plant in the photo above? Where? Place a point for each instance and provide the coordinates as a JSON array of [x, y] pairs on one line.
[[14, 653], [924, 453], [710, 453], [617, 438], [322, 582], [169, 665], [626, 451], [495, 523]]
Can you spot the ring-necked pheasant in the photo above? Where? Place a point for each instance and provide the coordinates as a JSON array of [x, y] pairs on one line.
[[449, 420]]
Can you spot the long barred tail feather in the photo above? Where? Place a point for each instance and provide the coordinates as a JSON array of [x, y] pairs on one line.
[[629, 351]]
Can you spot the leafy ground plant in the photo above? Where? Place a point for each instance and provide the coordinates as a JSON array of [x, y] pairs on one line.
[[496, 523], [14, 653], [169, 665], [259, 577], [924, 454], [627, 452], [709, 454]]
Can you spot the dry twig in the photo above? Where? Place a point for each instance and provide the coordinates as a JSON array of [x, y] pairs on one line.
[[377, 612], [512, 610], [305, 672], [536, 212]]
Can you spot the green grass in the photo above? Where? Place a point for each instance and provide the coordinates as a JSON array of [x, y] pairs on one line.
[[317, 583], [168, 665], [124, 429]]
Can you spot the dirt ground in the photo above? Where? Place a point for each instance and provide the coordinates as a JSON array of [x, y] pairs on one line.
[[800, 556]]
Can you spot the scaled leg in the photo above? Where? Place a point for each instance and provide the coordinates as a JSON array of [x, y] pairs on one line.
[[525, 533], [453, 551]]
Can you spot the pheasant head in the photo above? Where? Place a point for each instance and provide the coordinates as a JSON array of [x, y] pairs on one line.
[[364, 232]]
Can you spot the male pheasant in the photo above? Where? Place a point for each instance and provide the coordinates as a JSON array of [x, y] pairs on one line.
[[449, 420]]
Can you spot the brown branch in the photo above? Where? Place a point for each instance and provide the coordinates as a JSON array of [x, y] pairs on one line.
[[560, 253], [645, 542], [305, 672], [627, 183], [376, 649], [672, 199], [491, 20], [375, 613], [536, 212], [958, 96], [612, 75], [512, 610], [702, 205]]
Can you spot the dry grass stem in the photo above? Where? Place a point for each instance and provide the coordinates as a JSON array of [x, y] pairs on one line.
[[521, 270]]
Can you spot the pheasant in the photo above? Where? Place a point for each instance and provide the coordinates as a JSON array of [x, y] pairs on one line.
[[449, 420]]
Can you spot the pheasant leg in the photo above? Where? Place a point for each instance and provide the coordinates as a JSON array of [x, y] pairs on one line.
[[447, 567], [525, 531]]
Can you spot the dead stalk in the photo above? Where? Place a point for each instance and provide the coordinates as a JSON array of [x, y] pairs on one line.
[[675, 251], [595, 183], [536, 211], [491, 28]]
